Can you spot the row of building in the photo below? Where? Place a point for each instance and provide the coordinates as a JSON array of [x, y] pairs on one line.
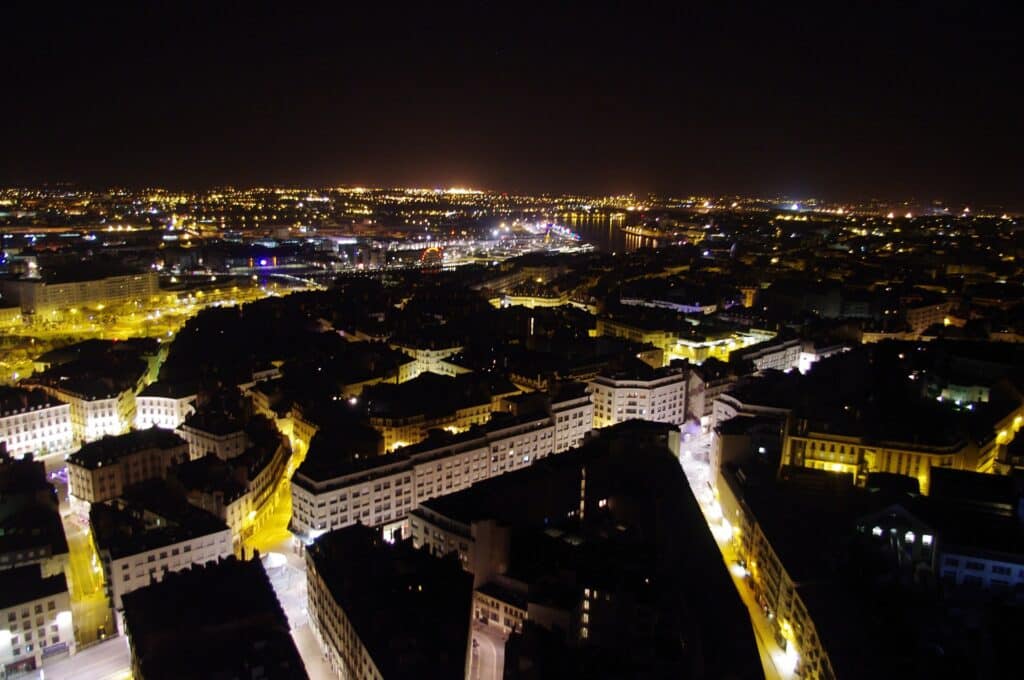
[[596, 561]]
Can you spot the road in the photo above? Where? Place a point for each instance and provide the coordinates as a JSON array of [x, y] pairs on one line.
[[110, 660], [693, 457], [289, 582], [488, 661], [90, 610]]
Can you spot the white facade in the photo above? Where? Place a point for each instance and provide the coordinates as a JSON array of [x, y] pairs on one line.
[[777, 355], [385, 494], [35, 629], [201, 442], [38, 430], [810, 355], [344, 651], [126, 573], [661, 399], [93, 417], [985, 572], [94, 478], [428, 360], [573, 418], [37, 295], [165, 412]]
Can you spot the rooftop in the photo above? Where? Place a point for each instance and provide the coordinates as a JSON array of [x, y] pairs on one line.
[[112, 448], [410, 609], [25, 584], [222, 617], [150, 516]]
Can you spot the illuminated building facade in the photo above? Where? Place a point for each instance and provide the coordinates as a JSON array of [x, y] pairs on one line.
[[37, 296], [162, 406], [35, 615], [368, 598], [32, 422], [382, 491], [103, 469], [427, 359], [97, 413], [857, 456], [210, 433], [141, 540], [658, 395]]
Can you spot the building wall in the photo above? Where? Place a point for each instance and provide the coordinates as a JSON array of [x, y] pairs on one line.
[[346, 654], [165, 412], [127, 573], [38, 296], [387, 494], [851, 455], [94, 418], [963, 568], [427, 360], [224, 446], [661, 400], [920, 318], [32, 629], [105, 482], [771, 585], [573, 420], [497, 613], [39, 431]]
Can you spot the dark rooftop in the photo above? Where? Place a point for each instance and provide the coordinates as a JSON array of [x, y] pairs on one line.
[[113, 447], [222, 617], [411, 610], [149, 516], [17, 399], [24, 584]]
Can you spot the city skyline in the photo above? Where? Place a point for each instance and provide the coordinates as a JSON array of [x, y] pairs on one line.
[[511, 341], [911, 102]]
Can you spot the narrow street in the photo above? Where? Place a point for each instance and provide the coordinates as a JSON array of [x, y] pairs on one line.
[[488, 660], [694, 459]]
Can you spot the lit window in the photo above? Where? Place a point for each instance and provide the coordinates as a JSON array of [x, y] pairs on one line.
[[926, 539], [909, 537]]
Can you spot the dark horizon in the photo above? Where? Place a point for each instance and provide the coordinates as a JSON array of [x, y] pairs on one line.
[[915, 102]]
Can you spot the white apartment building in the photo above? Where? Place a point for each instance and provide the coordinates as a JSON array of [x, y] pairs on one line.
[[103, 469], [36, 295], [384, 493], [208, 433], [810, 354], [775, 354], [574, 418], [35, 620], [921, 317], [427, 359], [33, 422], [976, 568], [163, 407], [96, 414], [655, 394], [385, 489], [132, 559]]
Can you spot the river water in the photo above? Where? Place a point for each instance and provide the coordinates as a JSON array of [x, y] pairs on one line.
[[604, 230]]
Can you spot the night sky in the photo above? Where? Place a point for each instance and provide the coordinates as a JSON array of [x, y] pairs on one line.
[[921, 101]]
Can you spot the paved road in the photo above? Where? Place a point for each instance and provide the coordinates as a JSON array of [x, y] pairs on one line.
[[108, 660], [694, 461], [488, 661]]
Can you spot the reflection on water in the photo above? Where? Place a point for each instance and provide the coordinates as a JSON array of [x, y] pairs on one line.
[[604, 230]]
